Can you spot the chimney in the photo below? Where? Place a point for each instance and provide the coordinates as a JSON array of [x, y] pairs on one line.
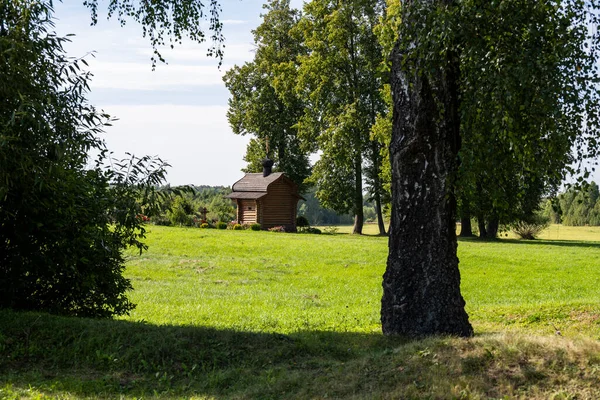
[[267, 164]]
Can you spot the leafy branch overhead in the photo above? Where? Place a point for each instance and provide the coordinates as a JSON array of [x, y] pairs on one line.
[[169, 22]]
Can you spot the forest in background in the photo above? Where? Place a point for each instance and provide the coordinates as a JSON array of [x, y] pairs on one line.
[[575, 207], [185, 209]]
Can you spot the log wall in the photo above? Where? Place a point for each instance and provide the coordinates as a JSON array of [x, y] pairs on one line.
[[278, 207]]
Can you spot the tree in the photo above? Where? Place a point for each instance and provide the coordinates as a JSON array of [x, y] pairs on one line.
[[168, 22], [63, 224], [263, 103], [441, 58], [421, 285], [579, 206], [340, 84], [518, 122], [317, 215]]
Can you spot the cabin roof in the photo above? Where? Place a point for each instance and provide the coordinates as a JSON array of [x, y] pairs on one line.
[[253, 186], [255, 182], [246, 195]]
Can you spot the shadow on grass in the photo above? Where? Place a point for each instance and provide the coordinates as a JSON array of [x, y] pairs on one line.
[[537, 242], [45, 356], [112, 358]]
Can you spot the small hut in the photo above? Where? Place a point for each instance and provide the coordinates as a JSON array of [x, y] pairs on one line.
[[268, 198]]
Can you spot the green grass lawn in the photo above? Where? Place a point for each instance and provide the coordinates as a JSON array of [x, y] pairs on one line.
[[243, 314]]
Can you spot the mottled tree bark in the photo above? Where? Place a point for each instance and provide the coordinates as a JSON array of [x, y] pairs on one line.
[[421, 285]]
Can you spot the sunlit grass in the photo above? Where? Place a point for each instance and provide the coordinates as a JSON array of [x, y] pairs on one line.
[[553, 232], [243, 314], [258, 281], [579, 233], [273, 282]]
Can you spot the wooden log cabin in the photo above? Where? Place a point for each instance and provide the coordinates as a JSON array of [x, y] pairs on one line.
[[268, 198]]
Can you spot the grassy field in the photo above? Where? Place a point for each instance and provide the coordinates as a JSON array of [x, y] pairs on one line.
[[554, 232], [243, 314]]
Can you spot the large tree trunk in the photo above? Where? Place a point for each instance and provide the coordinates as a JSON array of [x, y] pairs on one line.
[[421, 285]]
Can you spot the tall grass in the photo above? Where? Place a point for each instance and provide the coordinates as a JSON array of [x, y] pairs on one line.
[[244, 314]]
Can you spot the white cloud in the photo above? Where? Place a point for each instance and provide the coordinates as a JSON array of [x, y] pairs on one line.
[[234, 22], [189, 52], [139, 76], [195, 140]]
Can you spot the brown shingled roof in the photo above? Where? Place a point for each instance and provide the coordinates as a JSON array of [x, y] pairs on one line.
[[255, 182], [246, 195]]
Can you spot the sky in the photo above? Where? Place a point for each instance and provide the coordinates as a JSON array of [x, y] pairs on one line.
[[178, 111]]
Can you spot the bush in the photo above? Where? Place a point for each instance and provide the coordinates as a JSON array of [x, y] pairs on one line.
[[181, 212], [161, 220], [237, 227], [255, 227], [531, 228], [309, 229], [65, 219], [331, 230], [221, 225], [204, 225], [302, 221]]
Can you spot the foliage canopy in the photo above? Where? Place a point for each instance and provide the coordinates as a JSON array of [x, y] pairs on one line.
[[262, 102], [63, 223]]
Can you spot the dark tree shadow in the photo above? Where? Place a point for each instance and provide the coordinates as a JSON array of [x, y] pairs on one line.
[[111, 358], [57, 357]]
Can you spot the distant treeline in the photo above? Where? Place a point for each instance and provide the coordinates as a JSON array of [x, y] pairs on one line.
[[317, 215], [185, 207], [575, 207]]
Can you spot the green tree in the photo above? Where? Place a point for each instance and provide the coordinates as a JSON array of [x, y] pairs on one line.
[[387, 33], [579, 205], [63, 225], [447, 52], [511, 111], [317, 215], [263, 103], [341, 86], [221, 209]]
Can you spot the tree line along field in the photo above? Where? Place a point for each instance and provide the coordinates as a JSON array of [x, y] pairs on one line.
[[552, 232], [245, 314]]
